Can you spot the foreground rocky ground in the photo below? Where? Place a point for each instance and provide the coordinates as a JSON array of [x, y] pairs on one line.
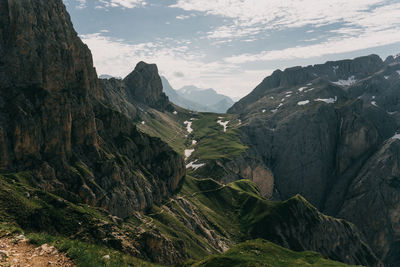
[[17, 251]]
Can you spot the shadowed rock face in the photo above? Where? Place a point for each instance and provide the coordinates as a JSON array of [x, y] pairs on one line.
[[55, 123], [297, 225], [144, 86], [319, 128], [42, 64], [141, 88], [377, 186]]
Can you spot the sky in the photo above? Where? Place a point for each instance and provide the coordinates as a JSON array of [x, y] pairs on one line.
[[232, 45]]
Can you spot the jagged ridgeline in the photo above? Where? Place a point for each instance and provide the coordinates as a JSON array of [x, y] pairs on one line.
[[97, 169]]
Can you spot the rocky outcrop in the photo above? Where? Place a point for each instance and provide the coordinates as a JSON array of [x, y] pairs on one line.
[[144, 86], [56, 124], [140, 90]]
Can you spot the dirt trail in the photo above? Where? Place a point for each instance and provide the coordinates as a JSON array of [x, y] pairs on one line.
[[18, 252]]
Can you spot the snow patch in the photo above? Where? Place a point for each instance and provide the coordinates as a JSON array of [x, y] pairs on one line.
[[143, 122], [391, 113], [396, 136], [271, 97], [398, 72], [224, 124], [335, 68], [188, 153], [276, 109], [374, 104], [350, 81], [175, 112], [386, 77], [194, 166], [288, 95], [302, 103], [302, 89], [309, 84], [327, 100], [188, 126], [194, 142], [309, 90], [264, 110], [373, 97]]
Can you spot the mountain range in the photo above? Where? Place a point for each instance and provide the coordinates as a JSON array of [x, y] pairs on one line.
[[197, 99], [303, 171]]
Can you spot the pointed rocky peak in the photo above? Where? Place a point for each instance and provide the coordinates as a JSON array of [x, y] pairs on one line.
[[392, 59], [145, 86]]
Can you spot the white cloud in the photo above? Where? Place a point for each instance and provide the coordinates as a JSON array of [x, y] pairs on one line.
[[329, 47], [118, 58], [233, 31], [123, 3], [81, 4], [289, 13], [250, 17], [182, 17]]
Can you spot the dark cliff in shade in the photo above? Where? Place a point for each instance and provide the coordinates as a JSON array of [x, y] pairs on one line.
[[141, 88], [326, 132], [144, 85], [55, 124]]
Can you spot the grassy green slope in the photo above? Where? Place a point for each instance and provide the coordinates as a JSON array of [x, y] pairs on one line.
[[167, 126], [213, 146], [263, 253], [213, 142], [83, 232]]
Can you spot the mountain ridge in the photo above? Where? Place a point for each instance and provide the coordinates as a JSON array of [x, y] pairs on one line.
[[197, 99]]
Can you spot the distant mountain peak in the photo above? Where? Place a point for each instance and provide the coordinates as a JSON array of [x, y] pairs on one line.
[[107, 77], [197, 99], [191, 88]]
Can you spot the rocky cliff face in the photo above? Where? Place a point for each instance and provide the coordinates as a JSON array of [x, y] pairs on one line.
[[140, 90], [317, 128], [377, 188], [55, 123], [297, 225], [144, 85]]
